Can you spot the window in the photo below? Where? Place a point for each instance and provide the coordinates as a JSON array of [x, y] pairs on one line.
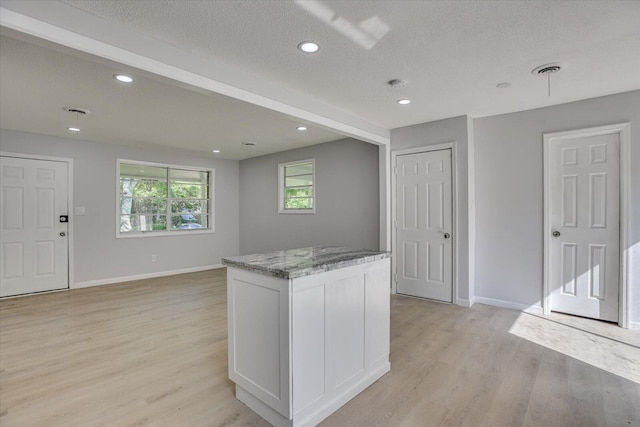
[[296, 187], [163, 199]]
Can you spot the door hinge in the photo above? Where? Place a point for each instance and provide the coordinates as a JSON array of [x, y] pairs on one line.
[[395, 277], [395, 223], [395, 170]]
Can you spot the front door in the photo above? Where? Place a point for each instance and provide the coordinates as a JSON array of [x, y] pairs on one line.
[[424, 249], [584, 258], [34, 243]]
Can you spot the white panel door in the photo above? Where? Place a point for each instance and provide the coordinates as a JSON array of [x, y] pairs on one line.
[[34, 243], [424, 249], [584, 257]]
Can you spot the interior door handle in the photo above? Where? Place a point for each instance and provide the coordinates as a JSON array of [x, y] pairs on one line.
[[556, 233], [447, 235], [62, 233]]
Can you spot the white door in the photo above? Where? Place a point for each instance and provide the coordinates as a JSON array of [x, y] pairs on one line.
[[584, 259], [424, 249], [34, 245]]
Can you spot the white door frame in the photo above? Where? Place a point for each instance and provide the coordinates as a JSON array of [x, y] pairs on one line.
[[70, 233], [623, 129], [454, 212]]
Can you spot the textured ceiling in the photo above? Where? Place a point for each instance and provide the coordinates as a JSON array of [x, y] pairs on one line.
[[452, 54]]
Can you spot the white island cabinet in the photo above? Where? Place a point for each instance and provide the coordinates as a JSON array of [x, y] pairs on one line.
[[308, 330]]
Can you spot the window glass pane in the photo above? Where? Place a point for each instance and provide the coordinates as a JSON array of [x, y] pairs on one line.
[[142, 172], [189, 184], [143, 222], [189, 222], [150, 205], [299, 169], [189, 206], [298, 203], [299, 192], [189, 212], [299, 181], [146, 192], [150, 188]]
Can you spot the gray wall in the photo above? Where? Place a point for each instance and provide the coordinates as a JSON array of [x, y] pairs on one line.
[[99, 256], [449, 130], [509, 193], [347, 200]]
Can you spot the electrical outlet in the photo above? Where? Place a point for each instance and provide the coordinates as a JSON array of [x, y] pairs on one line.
[[154, 258]]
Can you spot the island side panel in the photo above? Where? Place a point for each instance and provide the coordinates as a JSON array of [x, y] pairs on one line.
[[377, 313], [259, 341], [340, 337]]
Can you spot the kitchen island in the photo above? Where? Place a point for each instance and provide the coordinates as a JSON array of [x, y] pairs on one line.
[[308, 329]]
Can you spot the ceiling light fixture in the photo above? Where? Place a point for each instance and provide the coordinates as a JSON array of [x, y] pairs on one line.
[[308, 47], [123, 78], [404, 101], [249, 143], [503, 85], [301, 128], [216, 151], [77, 112], [547, 70]]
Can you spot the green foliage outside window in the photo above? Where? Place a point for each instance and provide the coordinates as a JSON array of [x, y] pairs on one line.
[[155, 198]]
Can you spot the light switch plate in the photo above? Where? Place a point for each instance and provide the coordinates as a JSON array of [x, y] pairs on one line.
[[79, 210]]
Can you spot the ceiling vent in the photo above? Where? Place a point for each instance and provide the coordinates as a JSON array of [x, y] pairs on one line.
[[397, 83], [76, 110], [546, 69]]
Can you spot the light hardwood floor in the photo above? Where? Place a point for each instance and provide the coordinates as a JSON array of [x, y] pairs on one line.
[[154, 353]]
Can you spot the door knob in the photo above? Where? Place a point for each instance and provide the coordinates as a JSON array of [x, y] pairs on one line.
[[62, 233], [556, 233], [447, 235]]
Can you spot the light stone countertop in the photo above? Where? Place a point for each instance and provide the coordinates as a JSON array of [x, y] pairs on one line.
[[293, 263]]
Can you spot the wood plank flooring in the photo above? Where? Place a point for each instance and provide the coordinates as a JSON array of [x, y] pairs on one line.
[[154, 353]]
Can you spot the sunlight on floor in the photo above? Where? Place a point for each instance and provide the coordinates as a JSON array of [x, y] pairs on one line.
[[611, 355]]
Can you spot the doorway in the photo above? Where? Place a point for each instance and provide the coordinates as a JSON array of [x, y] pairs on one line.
[[34, 209], [585, 228], [423, 224]]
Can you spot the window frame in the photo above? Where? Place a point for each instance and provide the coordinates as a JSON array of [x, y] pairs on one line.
[[169, 232], [282, 183]]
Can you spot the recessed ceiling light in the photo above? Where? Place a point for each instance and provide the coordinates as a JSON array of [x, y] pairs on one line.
[[301, 128], [74, 129], [404, 101], [123, 78], [249, 143], [309, 47], [503, 85], [216, 151]]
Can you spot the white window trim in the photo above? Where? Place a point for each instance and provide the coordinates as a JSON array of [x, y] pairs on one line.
[[137, 234], [281, 184]]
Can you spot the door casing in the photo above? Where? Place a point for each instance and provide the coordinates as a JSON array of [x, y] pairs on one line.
[[454, 212], [70, 231], [623, 129]]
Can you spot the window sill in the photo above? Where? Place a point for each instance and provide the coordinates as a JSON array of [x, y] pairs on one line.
[[136, 234], [297, 211]]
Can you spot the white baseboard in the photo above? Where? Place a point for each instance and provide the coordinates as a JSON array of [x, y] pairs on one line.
[[634, 325], [534, 309], [143, 276], [466, 302]]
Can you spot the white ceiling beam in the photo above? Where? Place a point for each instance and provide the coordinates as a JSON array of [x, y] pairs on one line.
[[65, 25]]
